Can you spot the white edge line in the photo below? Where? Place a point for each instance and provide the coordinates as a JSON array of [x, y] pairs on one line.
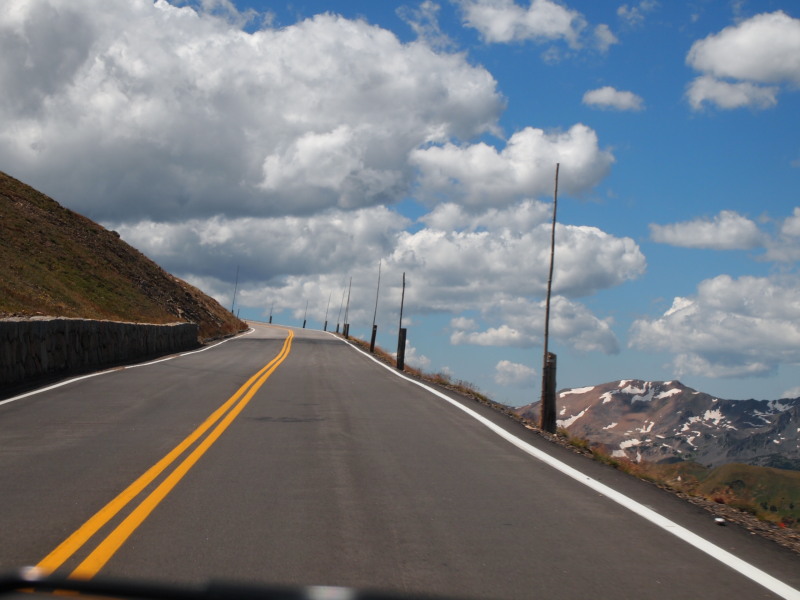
[[754, 573], [116, 369]]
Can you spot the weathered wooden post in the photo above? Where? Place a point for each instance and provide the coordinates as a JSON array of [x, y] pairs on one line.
[[401, 334], [325, 327], [235, 288], [339, 316], [375, 314], [347, 312], [548, 401]]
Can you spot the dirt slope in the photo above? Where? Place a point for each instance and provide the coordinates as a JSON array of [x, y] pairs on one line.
[[59, 263]]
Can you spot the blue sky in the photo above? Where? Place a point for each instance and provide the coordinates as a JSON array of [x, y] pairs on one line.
[[305, 142]]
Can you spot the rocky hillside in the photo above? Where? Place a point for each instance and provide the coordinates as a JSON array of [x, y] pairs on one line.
[[59, 263], [669, 422]]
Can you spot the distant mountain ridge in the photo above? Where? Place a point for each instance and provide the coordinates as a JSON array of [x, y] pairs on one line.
[[665, 421]]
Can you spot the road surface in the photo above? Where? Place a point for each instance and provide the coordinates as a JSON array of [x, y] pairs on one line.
[[286, 456]]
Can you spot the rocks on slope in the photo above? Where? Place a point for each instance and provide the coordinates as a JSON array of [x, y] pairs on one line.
[[667, 421]]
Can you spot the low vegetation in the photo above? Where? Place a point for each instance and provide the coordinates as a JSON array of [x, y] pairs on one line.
[[59, 263], [772, 495], [444, 380]]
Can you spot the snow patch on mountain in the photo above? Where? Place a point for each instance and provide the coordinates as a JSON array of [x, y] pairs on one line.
[[567, 423], [583, 390], [667, 421], [667, 394], [714, 416], [629, 389]]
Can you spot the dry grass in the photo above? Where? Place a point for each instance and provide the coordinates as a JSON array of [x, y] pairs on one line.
[[59, 263]]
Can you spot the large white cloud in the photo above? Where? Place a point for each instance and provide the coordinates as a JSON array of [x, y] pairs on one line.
[[503, 21], [785, 245], [267, 249], [493, 263], [508, 252], [726, 231], [730, 95], [731, 327], [154, 111], [521, 324], [278, 152], [738, 62], [506, 21], [479, 175]]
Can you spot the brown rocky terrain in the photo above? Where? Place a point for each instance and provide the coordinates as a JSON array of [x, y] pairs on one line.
[[59, 263], [666, 421]]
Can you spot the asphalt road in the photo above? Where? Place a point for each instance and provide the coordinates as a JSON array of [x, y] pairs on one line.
[[283, 458]]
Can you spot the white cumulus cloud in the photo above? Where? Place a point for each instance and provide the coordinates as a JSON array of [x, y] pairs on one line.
[[738, 63], [504, 21], [730, 95], [785, 245], [511, 248], [267, 248], [509, 373], [280, 151], [791, 393], [609, 97], [726, 231], [479, 175], [634, 15], [522, 325], [319, 114], [730, 328]]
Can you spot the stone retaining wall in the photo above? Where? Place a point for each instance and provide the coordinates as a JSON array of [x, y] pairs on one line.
[[48, 346]]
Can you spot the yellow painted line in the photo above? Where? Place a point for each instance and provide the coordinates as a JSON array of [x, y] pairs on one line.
[[74, 542]]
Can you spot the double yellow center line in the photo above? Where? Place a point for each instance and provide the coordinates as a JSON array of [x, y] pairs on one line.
[[219, 420]]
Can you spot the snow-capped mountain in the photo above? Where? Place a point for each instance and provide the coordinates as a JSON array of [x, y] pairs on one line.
[[667, 421]]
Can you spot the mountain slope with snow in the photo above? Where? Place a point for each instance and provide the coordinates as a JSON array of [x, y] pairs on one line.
[[667, 421]]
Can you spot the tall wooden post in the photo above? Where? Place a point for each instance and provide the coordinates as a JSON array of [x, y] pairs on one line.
[[339, 316], [375, 314], [235, 288], [327, 308], [548, 401], [401, 334], [346, 331]]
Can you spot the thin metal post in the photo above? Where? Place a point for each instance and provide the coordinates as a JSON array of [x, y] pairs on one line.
[[305, 315], [402, 299], [401, 334], [325, 327], [375, 314], [235, 288], [339, 316], [347, 311], [548, 400]]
